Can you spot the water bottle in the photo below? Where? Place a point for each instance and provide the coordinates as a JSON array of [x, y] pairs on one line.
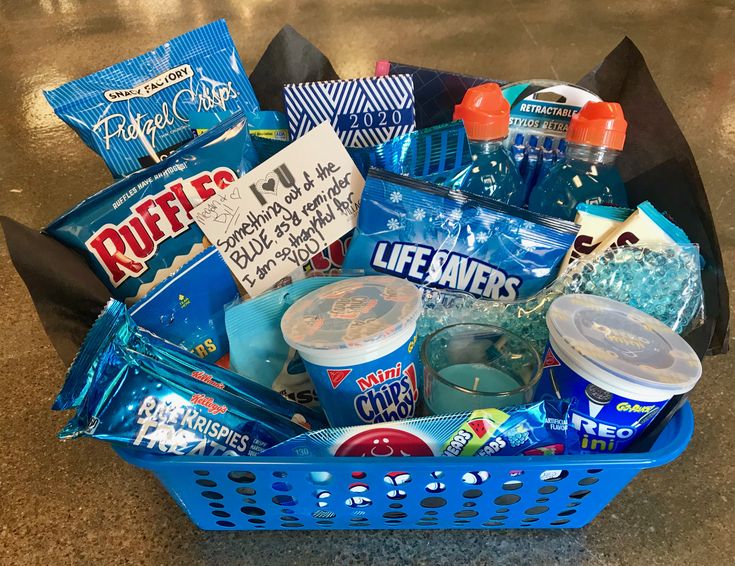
[[492, 174], [587, 173]]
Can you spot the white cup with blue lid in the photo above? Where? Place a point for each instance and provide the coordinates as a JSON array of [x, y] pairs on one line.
[[617, 365], [357, 338]]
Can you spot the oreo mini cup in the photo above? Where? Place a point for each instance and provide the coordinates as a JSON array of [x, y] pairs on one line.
[[616, 365], [357, 339]]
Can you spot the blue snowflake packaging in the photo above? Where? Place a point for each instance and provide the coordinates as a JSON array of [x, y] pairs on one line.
[[449, 240]]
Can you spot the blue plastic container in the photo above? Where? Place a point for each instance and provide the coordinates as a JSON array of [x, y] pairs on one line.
[[405, 493]]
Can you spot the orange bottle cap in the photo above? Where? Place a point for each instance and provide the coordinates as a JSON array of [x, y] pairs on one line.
[[485, 112], [599, 123]]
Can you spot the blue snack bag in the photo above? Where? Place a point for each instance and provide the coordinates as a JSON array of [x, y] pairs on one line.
[[136, 113], [139, 230], [538, 429], [138, 401], [115, 331], [257, 348], [450, 240], [188, 308]]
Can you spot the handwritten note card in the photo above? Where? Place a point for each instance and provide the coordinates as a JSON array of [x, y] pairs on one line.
[[275, 218]]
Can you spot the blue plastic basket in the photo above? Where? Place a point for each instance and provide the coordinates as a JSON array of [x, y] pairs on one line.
[[405, 493]]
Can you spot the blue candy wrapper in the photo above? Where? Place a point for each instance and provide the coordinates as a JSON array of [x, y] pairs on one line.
[[137, 401], [530, 430], [188, 308], [139, 230], [116, 344], [364, 112], [136, 113], [450, 240], [258, 349]]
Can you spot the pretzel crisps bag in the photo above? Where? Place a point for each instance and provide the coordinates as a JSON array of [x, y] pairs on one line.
[[139, 230], [137, 112]]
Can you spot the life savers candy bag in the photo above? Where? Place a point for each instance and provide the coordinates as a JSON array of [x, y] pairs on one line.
[[188, 308], [257, 348], [530, 430], [449, 240], [140, 402], [139, 230], [115, 330], [136, 113]]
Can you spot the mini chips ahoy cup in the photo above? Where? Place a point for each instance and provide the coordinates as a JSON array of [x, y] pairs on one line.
[[357, 339], [616, 365]]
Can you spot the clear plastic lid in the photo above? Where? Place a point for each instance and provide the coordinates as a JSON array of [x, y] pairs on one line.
[[352, 313], [627, 348]]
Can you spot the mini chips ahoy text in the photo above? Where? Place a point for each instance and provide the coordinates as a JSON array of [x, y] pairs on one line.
[[387, 395], [137, 112], [357, 339], [377, 391], [449, 240]]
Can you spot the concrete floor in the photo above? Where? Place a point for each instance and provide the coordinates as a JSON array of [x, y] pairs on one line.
[[77, 503]]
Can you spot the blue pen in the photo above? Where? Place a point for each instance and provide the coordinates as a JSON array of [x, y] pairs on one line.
[[517, 151], [547, 160], [560, 151], [530, 163]]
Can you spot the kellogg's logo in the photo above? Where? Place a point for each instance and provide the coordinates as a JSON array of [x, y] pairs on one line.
[[123, 249], [208, 403], [387, 395]]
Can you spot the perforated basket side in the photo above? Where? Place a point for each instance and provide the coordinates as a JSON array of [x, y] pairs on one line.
[[393, 493]]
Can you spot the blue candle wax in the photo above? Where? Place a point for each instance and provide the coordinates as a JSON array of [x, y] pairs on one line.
[[475, 377]]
